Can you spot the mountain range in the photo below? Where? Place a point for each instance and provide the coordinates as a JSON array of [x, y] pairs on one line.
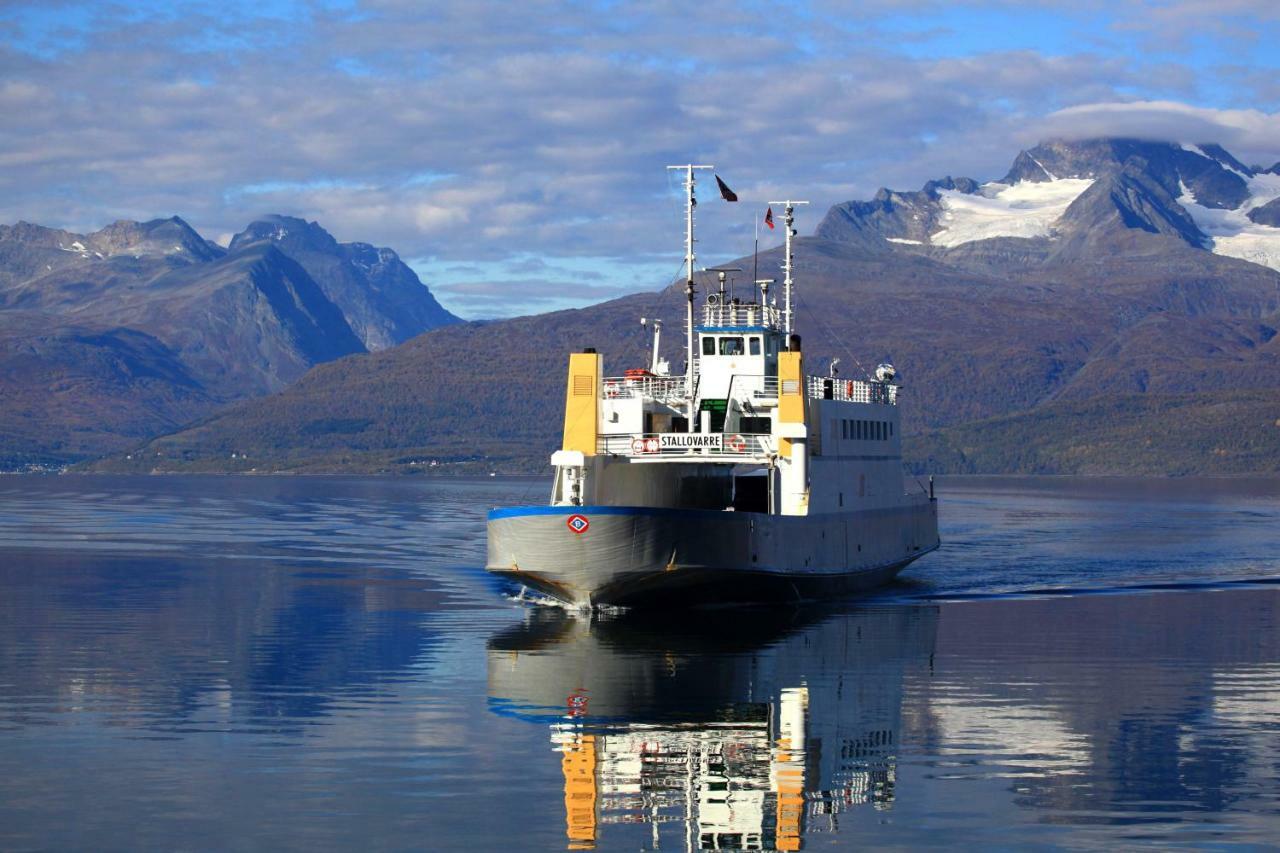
[[112, 337], [1108, 306]]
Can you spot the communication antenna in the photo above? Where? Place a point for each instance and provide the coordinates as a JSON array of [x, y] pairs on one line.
[[721, 272], [789, 220], [763, 284]]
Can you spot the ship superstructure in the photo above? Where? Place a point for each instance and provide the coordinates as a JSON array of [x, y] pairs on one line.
[[742, 478]]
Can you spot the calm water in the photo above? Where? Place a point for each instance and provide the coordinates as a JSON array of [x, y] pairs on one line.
[[259, 663]]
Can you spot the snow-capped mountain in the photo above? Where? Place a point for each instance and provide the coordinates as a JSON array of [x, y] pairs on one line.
[[1067, 199]]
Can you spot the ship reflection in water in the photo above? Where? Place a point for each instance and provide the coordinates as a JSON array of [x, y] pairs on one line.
[[746, 730]]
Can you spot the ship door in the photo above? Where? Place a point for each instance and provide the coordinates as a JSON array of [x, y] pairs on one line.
[[751, 492]]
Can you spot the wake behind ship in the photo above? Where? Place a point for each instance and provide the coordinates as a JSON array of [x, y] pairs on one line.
[[744, 479]]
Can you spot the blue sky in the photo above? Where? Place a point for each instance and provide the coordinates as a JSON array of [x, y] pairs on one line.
[[515, 153]]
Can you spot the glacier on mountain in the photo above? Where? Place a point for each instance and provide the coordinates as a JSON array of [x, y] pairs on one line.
[[1232, 232], [1024, 209]]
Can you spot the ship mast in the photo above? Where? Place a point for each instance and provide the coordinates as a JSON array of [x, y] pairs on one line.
[[788, 220], [691, 354]]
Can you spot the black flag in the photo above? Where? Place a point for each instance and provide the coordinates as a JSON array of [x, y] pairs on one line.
[[726, 193]]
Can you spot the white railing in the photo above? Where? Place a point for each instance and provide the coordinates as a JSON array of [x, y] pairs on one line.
[[663, 389], [729, 445], [753, 388], [852, 390], [741, 314]]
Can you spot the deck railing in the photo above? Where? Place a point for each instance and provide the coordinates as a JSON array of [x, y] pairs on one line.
[[753, 388], [851, 390], [664, 389], [729, 445], [737, 314]]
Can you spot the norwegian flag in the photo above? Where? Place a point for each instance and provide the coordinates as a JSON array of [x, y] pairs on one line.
[[768, 218]]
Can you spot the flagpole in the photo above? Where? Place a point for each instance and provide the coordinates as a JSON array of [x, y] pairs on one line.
[[755, 256]]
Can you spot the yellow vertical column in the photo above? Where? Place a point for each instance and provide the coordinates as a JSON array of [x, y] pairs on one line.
[[582, 403], [580, 791], [790, 395]]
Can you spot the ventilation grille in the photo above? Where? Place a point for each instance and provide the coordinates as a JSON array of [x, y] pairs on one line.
[[582, 385]]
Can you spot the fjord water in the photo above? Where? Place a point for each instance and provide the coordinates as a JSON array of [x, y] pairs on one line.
[[219, 663]]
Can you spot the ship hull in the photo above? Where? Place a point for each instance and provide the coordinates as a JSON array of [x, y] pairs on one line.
[[645, 556]]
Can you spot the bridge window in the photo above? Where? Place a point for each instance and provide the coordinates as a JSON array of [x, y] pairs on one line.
[[754, 343], [731, 346], [708, 345]]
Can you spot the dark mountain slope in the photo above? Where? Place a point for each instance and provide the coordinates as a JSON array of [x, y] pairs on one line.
[[264, 321], [381, 298], [71, 391], [1223, 432]]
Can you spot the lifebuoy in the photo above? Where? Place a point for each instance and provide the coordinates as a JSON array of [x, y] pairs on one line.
[[737, 443]]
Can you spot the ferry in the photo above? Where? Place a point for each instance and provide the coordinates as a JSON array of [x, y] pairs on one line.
[[744, 479]]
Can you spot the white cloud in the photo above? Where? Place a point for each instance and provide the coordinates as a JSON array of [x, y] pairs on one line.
[[545, 127], [1252, 135]]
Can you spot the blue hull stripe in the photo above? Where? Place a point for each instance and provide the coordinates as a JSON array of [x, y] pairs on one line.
[[521, 511], [566, 511]]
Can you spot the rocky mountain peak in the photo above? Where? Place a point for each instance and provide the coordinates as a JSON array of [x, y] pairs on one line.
[[1026, 168], [290, 232], [1221, 156], [164, 237]]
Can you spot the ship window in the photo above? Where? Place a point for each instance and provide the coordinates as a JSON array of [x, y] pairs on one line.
[[844, 429], [708, 345], [731, 346], [861, 432], [754, 343], [891, 429], [879, 430]]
